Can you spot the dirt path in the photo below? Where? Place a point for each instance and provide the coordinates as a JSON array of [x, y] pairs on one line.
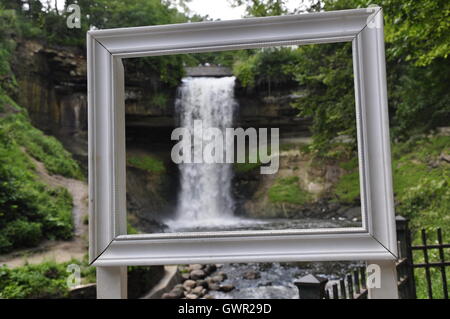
[[60, 251]]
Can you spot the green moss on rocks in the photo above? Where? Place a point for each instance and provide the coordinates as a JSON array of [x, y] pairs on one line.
[[146, 163], [288, 190]]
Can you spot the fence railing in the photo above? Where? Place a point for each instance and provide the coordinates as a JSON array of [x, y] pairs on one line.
[[353, 285], [441, 264]]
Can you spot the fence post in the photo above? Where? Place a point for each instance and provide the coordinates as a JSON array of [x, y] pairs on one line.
[[402, 227], [404, 238], [311, 287]]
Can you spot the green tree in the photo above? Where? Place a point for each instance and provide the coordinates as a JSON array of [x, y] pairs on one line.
[[262, 8]]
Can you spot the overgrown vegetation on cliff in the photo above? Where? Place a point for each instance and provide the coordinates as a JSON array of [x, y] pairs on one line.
[[30, 211], [421, 176], [288, 190]]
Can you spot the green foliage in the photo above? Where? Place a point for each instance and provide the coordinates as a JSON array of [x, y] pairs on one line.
[[25, 233], [245, 167], [49, 279], [30, 211], [252, 161], [245, 70], [267, 68], [417, 37], [419, 97], [45, 280], [46, 24], [223, 58], [421, 30], [8, 29], [288, 190], [262, 8], [147, 163], [46, 149], [325, 72], [131, 230], [415, 31], [422, 182], [347, 189], [421, 189]]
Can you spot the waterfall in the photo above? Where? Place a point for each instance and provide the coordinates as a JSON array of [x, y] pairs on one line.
[[205, 198]]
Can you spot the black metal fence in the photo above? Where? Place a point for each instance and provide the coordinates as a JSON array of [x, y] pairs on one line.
[[428, 265], [353, 286]]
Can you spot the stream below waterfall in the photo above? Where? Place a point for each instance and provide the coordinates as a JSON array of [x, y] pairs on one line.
[[275, 280]]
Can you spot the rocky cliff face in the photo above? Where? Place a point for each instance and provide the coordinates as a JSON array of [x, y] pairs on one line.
[[259, 196], [53, 87]]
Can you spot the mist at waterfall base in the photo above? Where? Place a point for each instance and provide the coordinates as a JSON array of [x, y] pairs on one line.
[[205, 201]]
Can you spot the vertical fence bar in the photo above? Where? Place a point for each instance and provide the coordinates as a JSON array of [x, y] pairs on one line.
[[343, 292], [427, 264], [410, 265], [335, 292], [356, 280], [362, 271], [350, 286], [442, 260]]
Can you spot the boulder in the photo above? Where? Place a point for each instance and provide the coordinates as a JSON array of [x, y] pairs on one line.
[[195, 267], [189, 284], [213, 286], [171, 295], [185, 276], [209, 269], [226, 288], [203, 283], [177, 293], [224, 275], [199, 291], [197, 274], [217, 278], [354, 212], [251, 275]]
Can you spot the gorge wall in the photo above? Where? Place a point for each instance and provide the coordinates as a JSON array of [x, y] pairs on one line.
[[52, 86]]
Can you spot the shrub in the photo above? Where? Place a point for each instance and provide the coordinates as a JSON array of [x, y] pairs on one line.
[[25, 233], [288, 190], [46, 280], [30, 210]]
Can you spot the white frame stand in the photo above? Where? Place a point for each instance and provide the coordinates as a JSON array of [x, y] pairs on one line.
[[111, 249]]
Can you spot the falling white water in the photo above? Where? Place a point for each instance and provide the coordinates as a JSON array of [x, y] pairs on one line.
[[205, 198]]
